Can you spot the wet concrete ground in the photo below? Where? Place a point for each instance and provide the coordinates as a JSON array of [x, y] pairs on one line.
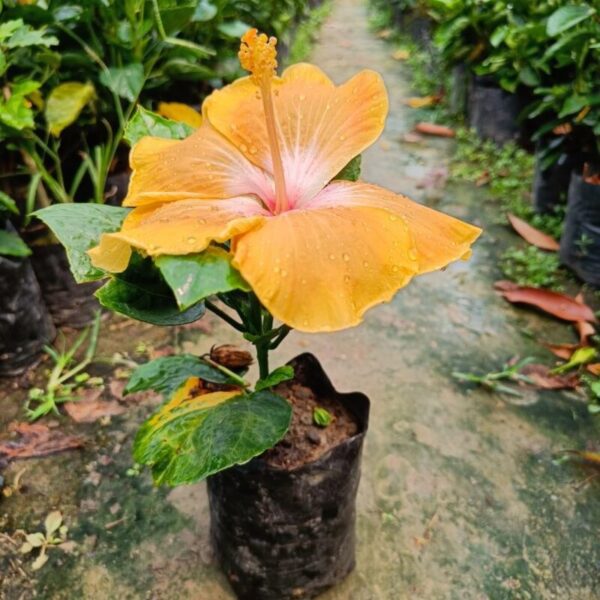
[[460, 497]]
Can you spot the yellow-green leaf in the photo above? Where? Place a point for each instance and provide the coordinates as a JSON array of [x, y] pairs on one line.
[[194, 436], [65, 103]]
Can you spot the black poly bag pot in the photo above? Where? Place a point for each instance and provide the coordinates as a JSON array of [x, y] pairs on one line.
[[493, 112], [70, 303], [281, 534], [550, 185], [25, 324], [580, 240]]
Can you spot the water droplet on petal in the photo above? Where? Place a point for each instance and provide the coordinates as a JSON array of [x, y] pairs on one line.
[[332, 256], [395, 268], [393, 218], [346, 256], [191, 240], [365, 263], [302, 97], [243, 148], [347, 278], [412, 254], [284, 273]]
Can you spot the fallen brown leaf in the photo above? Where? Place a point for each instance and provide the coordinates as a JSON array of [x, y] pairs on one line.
[[594, 369], [412, 138], [434, 129], [556, 304], [532, 235], [563, 351], [401, 54], [563, 129], [542, 378], [586, 455], [35, 439], [584, 329], [421, 102], [483, 179], [90, 407], [384, 34]]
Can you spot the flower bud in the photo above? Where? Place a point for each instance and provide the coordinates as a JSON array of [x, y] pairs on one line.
[[231, 356]]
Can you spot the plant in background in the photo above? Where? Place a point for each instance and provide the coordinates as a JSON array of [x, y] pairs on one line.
[[532, 267], [249, 210]]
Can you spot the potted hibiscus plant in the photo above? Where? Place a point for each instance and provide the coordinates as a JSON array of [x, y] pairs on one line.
[[257, 216]]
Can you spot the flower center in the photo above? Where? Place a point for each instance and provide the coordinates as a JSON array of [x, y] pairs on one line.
[[258, 55]]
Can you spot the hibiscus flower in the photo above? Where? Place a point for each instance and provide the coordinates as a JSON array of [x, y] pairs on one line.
[[258, 174]]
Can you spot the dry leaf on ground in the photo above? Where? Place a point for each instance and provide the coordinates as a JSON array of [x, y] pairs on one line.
[[556, 304], [421, 102], [541, 377], [434, 129], [35, 439], [563, 351], [401, 54], [594, 369], [89, 407], [532, 235]]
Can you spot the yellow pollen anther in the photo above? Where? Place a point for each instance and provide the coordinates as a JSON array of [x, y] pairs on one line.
[[258, 54]]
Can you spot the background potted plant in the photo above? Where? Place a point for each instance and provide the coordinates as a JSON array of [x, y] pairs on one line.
[[311, 249]]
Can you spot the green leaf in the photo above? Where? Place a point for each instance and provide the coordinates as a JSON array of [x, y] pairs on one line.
[[16, 111], [529, 77], [351, 172], [145, 122], [167, 374], [233, 29], [65, 103], [52, 522], [190, 438], [79, 227], [126, 81], [197, 276], [322, 417], [581, 356], [9, 27], [573, 104], [566, 17], [26, 36], [12, 245], [8, 204], [141, 293], [205, 11], [284, 373]]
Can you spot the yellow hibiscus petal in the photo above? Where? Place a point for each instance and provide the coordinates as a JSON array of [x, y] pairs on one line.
[[177, 111], [176, 228], [320, 270], [204, 165], [439, 238], [321, 127]]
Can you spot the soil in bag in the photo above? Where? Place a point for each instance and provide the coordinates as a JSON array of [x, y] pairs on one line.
[[283, 525]]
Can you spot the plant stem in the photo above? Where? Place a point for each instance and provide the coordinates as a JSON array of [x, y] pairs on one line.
[[223, 315], [262, 356]]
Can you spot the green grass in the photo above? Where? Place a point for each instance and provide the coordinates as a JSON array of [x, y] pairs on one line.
[[507, 172], [532, 267], [307, 32]]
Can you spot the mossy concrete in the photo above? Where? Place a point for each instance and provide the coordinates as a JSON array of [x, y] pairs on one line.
[[460, 497]]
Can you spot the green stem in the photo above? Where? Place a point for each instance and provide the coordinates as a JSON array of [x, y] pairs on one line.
[[233, 376], [223, 315], [262, 356]]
